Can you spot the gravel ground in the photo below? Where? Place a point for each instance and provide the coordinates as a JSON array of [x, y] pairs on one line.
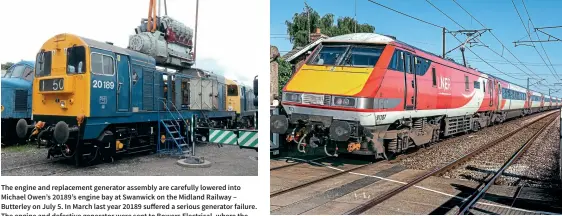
[[539, 166], [225, 161], [450, 149], [490, 160]]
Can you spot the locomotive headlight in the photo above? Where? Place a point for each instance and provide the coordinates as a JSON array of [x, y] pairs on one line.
[[62, 104], [292, 97], [344, 101]]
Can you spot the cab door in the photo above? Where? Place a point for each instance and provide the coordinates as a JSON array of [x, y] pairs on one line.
[[123, 83], [491, 92], [410, 88]]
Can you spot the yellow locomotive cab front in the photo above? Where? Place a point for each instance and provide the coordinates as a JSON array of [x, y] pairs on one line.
[[232, 96], [61, 84], [337, 69]]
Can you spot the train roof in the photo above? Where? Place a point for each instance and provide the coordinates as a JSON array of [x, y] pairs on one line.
[[25, 62], [364, 38], [116, 49]]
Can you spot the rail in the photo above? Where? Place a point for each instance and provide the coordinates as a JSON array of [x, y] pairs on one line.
[[482, 190], [375, 201], [277, 193]]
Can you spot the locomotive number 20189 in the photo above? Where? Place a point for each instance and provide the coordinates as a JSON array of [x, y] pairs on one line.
[[103, 84]]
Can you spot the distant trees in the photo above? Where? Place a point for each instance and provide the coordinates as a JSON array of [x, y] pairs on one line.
[[7, 65], [300, 26]]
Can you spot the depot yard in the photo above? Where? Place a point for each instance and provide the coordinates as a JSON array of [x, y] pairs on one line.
[[28, 160]]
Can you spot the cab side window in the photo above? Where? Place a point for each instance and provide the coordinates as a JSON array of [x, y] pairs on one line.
[[102, 64], [28, 74]]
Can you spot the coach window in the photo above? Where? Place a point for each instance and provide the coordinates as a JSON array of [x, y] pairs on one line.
[[466, 87], [434, 76], [76, 60], [43, 64], [484, 86], [102, 64]]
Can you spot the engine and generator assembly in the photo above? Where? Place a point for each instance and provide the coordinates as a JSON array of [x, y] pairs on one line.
[[170, 43]]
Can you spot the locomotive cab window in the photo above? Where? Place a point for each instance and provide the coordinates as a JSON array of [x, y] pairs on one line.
[[102, 64], [20, 71], [76, 60], [347, 55], [328, 55], [363, 56], [43, 64], [476, 85], [232, 90]]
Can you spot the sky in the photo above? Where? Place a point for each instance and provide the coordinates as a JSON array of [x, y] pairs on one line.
[[29, 23], [498, 15]]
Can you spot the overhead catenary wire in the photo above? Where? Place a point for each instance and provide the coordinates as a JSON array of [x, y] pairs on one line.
[[492, 33], [529, 34], [418, 19], [484, 43], [531, 21], [480, 41], [453, 36]]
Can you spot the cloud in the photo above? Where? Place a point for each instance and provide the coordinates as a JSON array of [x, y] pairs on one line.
[[226, 34]]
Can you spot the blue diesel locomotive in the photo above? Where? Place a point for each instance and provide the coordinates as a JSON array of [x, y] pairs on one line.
[[16, 99]]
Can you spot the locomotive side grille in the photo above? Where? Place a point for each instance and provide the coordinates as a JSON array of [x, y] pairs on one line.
[[20, 103]]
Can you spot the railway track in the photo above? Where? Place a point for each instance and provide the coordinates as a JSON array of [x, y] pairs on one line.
[[297, 163], [451, 165], [330, 176]]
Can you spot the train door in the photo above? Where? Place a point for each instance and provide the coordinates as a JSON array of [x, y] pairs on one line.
[[222, 97], [104, 84], [195, 93], [410, 82], [491, 92], [207, 94], [499, 91], [215, 94], [123, 83], [242, 98]]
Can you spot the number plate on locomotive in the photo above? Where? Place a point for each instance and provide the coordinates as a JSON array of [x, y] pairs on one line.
[[51, 84]]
